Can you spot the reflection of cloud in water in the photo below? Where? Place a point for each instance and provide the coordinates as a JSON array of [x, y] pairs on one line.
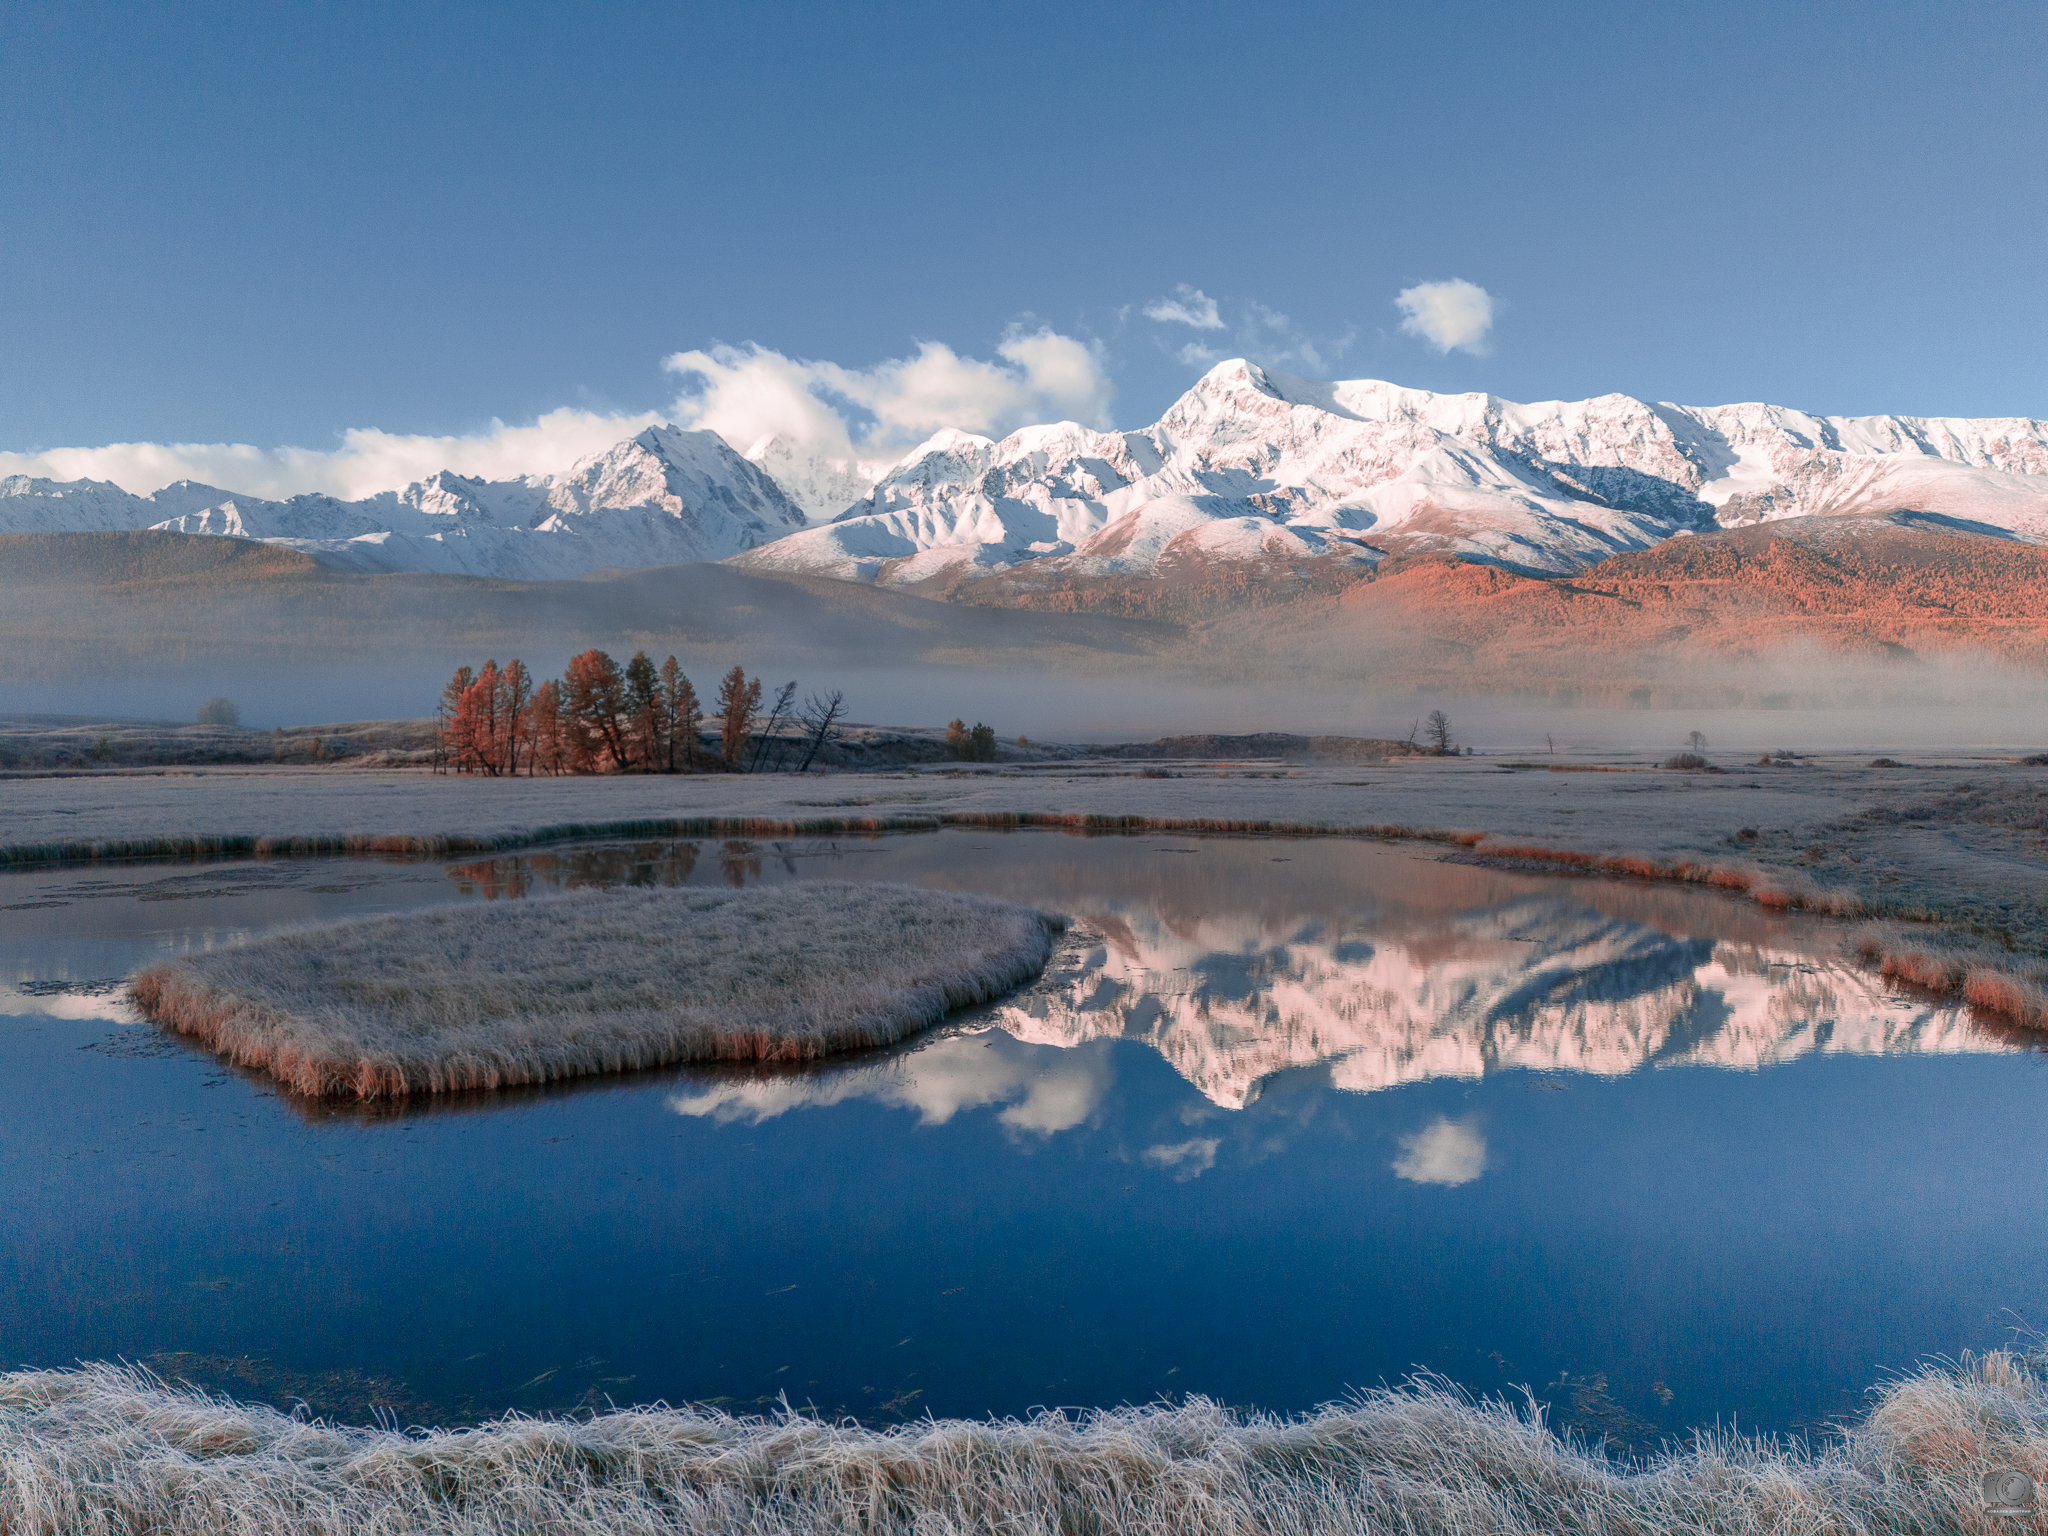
[[106, 1001], [1446, 1151], [1186, 1160], [1542, 983], [1043, 1090]]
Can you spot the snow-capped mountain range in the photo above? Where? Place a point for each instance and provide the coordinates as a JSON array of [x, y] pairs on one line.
[[1249, 465], [661, 498]]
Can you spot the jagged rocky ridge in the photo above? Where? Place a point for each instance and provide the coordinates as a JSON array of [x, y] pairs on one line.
[[661, 498], [1253, 465]]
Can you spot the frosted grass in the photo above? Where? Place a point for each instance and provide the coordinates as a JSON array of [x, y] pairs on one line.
[[492, 994], [107, 1449]]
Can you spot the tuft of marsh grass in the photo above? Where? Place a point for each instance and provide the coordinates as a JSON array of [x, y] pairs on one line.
[[110, 1449], [490, 994]]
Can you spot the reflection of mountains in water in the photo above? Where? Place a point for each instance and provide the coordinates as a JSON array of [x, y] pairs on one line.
[[1537, 983]]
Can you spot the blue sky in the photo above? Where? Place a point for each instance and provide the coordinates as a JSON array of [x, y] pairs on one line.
[[270, 225]]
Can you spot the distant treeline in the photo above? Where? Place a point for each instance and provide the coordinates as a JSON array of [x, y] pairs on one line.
[[602, 718]]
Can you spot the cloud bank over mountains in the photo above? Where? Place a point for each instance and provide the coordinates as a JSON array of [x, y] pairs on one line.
[[751, 392], [828, 432], [753, 397], [369, 461]]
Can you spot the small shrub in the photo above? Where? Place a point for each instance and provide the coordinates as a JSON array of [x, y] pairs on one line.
[[1690, 760], [1747, 835], [1885, 762]]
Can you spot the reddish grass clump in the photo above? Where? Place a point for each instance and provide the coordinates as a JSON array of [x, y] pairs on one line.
[[1917, 968], [2007, 997]]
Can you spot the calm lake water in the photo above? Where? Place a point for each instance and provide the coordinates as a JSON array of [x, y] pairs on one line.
[[1285, 1118]]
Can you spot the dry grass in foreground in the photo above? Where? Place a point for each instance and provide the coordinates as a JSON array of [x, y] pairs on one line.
[[105, 1449], [490, 994]]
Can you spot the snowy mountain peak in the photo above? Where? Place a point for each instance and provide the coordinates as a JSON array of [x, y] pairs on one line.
[[948, 440]]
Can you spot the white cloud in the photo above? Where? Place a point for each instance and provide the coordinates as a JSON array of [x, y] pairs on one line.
[[1449, 316], [368, 460], [1187, 1159], [1255, 332], [752, 392], [1445, 1152], [1191, 307]]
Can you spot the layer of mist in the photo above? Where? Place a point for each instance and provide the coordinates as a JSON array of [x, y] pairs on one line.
[[148, 626]]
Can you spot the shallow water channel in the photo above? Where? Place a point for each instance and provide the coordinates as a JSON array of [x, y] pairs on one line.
[[1284, 1118]]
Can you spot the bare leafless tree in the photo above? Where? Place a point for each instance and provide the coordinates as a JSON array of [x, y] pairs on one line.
[[777, 713], [1439, 728], [818, 717]]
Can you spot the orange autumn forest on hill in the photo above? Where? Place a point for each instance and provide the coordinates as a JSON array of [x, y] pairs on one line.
[[1886, 589], [1887, 596]]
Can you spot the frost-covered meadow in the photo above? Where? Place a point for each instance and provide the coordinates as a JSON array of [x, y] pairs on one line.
[[109, 1449]]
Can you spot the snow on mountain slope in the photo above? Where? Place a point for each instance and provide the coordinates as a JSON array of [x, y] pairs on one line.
[[822, 485], [661, 498], [1254, 465]]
